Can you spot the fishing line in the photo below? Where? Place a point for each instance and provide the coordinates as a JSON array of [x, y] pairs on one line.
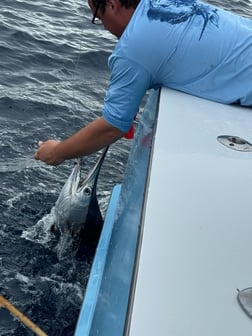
[[74, 73]]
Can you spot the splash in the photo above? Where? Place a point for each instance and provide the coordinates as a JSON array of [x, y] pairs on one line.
[[41, 232]]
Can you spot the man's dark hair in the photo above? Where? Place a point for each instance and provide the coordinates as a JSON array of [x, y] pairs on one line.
[[124, 3], [130, 3]]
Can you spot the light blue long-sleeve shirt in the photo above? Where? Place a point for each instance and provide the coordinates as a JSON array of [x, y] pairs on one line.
[[186, 45]]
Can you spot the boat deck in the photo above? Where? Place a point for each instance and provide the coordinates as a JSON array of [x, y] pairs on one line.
[[197, 229], [176, 243]]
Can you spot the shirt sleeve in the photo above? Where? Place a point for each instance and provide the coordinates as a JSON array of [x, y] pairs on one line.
[[128, 83]]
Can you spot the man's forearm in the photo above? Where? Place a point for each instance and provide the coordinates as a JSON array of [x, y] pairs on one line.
[[94, 136]]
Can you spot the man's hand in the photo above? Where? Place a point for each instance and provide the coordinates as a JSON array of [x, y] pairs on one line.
[[47, 152], [89, 139]]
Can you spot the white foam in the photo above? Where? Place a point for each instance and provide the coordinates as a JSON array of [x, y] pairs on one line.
[[41, 231], [22, 278]]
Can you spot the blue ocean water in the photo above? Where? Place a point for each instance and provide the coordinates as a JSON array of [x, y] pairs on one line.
[[53, 77]]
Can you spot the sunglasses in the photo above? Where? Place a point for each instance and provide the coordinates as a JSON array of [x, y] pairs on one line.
[[96, 20]]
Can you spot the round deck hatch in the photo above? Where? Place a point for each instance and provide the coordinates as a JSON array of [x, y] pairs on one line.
[[235, 142], [245, 300]]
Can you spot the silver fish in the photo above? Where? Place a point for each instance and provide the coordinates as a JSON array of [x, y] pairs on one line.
[[77, 207]]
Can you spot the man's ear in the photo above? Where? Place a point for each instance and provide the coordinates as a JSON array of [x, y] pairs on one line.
[[114, 5]]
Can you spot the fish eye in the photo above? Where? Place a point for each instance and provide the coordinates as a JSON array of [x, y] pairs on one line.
[[87, 191]]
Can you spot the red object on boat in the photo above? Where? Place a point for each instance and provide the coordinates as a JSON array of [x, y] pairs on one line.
[[130, 134]]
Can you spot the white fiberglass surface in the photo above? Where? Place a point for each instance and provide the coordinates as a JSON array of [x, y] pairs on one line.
[[197, 235]]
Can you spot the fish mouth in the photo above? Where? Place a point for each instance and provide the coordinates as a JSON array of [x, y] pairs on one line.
[[89, 182], [79, 193], [86, 186]]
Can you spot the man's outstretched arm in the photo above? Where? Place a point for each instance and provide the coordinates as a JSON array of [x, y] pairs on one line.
[[89, 139]]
